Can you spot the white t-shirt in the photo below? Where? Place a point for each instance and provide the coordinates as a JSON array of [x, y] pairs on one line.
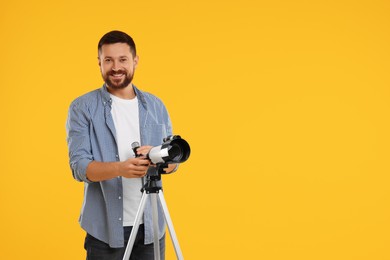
[[126, 120]]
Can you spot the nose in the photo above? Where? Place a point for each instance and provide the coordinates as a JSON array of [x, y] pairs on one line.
[[115, 66]]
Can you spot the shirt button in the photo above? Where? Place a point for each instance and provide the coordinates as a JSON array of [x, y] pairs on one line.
[[120, 219], [120, 197]]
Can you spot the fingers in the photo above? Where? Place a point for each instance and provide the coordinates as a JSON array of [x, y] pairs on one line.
[[170, 168], [141, 166], [141, 162], [135, 167], [137, 174], [144, 150]]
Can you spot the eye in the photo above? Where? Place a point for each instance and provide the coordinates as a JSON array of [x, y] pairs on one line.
[[107, 60], [123, 60]]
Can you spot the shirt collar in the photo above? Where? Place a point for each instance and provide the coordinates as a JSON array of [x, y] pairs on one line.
[[107, 99]]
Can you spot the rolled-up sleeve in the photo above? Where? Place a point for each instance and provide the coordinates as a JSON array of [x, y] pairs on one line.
[[78, 139]]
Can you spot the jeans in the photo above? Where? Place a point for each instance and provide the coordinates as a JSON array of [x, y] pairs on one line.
[[98, 250]]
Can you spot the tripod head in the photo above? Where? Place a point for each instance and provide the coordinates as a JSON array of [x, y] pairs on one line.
[[152, 184]]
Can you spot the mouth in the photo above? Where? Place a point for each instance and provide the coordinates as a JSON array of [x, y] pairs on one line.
[[117, 75], [117, 79]]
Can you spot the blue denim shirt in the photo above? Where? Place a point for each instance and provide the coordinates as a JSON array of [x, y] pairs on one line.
[[91, 136]]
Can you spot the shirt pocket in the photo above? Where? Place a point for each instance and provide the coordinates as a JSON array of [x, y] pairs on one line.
[[154, 134]]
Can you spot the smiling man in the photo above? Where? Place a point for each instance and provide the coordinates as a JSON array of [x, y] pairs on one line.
[[101, 126], [117, 63]]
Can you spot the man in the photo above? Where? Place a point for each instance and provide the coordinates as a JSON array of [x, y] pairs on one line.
[[101, 127]]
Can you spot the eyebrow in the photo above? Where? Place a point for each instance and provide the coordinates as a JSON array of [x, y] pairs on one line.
[[123, 56]]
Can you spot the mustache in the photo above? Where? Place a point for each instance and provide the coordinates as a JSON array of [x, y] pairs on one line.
[[113, 72]]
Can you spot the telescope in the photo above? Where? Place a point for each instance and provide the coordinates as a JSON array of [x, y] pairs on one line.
[[173, 150]]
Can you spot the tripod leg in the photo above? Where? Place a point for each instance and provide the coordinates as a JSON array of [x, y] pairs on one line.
[[155, 226], [134, 231], [168, 220]]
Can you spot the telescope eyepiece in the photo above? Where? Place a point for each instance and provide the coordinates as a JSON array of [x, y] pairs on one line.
[[134, 147]]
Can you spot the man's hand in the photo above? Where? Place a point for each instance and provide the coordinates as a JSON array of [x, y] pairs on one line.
[[131, 168], [170, 168], [143, 150], [134, 167]]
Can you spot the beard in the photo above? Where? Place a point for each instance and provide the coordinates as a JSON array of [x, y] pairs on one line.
[[118, 83]]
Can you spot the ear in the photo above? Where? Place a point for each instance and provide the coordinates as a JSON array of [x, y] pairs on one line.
[[100, 64], [136, 60]]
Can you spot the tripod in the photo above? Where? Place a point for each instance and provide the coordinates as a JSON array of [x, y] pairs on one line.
[[153, 190]]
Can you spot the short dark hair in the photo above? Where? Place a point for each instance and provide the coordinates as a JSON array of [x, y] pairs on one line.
[[116, 37]]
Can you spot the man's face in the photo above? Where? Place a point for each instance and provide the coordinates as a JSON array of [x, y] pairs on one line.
[[117, 65]]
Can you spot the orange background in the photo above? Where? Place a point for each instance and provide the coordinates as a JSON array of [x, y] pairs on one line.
[[285, 105]]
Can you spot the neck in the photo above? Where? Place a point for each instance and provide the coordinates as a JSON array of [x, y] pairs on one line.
[[124, 93]]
